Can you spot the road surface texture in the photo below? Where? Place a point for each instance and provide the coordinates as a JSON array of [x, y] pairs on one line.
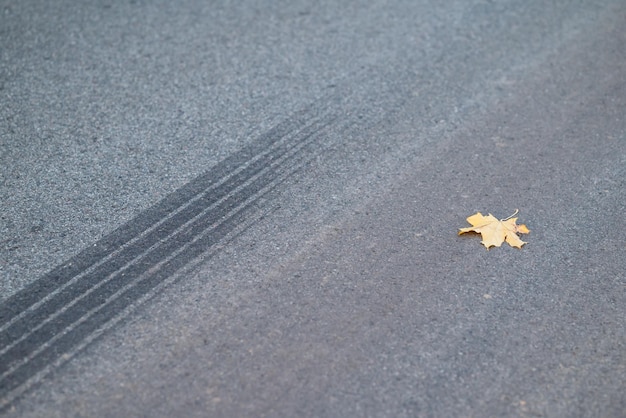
[[251, 208]]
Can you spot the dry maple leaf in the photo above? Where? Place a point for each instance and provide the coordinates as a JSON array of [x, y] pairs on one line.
[[495, 231]]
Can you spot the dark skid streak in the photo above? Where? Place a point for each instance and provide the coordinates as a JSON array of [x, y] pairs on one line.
[[41, 324]]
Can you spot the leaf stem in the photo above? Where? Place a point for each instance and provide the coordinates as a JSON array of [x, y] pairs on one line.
[[505, 219]]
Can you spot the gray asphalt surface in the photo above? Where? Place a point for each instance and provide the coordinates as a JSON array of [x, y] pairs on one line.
[[252, 210]]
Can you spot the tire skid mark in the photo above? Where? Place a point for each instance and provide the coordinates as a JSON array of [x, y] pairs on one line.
[[44, 322]]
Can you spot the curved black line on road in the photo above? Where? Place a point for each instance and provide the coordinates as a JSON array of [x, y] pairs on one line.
[[56, 313]]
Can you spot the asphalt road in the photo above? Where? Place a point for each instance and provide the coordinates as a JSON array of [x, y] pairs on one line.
[[252, 209]]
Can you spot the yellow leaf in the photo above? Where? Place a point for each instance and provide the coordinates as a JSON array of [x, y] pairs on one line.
[[495, 231]]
